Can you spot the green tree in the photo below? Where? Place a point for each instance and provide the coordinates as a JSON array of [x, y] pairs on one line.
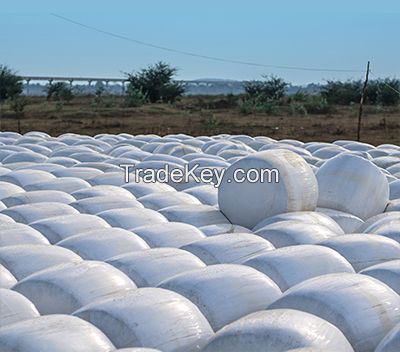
[[10, 84], [156, 83]]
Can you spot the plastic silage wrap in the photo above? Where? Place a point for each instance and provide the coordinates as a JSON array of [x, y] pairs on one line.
[[225, 292], [278, 330], [249, 203], [363, 308], [151, 267], [67, 287], [144, 317], [55, 333]]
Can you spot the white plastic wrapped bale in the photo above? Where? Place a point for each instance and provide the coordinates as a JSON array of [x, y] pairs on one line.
[[387, 272], [354, 185], [362, 250], [279, 330], [28, 213], [376, 221], [140, 189], [7, 280], [247, 203], [24, 156], [102, 190], [151, 267], [116, 178], [38, 197], [292, 232], [55, 333], [5, 219], [348, 222], [15, 307], [170, 234], [85, 173], [206, 194], [194, 214], [24, 178], [307, 217], [67, 287], [229, 248], [145, 317], [130, 218], [294, 264], [101, 244], [363, 308], [65, 184], [24, 260], [57, 228], [225, 292], [8, 189], [161, 200], [14, 233], [220, 229], [95, 205], [391, 341]]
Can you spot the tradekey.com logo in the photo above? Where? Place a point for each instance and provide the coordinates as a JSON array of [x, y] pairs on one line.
[[201, 175]]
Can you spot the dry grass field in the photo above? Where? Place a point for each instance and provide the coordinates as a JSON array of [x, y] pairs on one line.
[[202, 116]]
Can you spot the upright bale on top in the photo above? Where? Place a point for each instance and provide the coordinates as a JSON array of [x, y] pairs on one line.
[[285, 183], [353, 185]]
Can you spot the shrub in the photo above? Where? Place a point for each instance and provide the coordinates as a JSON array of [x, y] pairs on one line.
[[386, 92], [316, 104], [342, 93], [10, 84], [156, 83], [59, 91], [134, 97], [271, 88]]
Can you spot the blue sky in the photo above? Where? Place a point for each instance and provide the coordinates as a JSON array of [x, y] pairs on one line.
[[329, 34]]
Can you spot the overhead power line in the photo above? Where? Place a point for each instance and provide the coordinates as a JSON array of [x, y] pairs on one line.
[[207, 57]]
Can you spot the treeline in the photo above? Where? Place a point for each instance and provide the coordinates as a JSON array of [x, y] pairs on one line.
[[268, 94]]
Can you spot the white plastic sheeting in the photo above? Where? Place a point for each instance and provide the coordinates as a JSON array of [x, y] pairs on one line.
[[58, 228], [23, 260], [307, 217], [387, 272], [15, 307], [151, 267], [291, 232], [363, 308], [195, 214], [348, 222], [14, 233], [363, 250], [101, 244], [7, 280], [67, 287], [150, 317], [248, 203], [38, 197], [55, 333], [291, 265], [229, 248], [170, 234], [391, 341], [279, 330], [354, 185], [130, 218], [28, 213], [95, 205], [225, 292]]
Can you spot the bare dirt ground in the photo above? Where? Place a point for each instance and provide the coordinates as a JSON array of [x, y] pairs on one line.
[[202, 116]]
